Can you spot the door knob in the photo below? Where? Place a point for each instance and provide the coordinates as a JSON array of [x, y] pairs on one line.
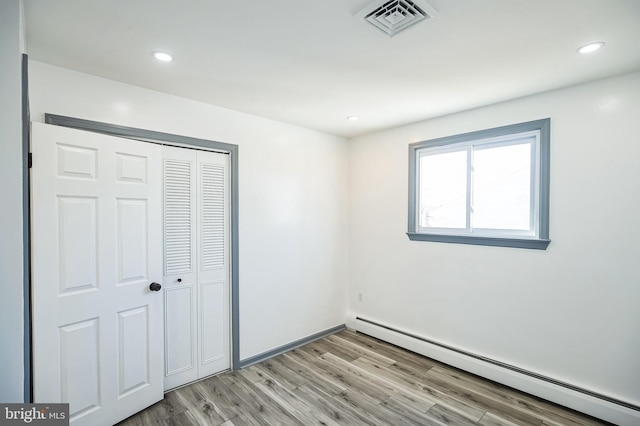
[[155, 287]]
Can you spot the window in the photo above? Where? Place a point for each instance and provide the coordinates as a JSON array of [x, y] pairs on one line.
[[489, 187]]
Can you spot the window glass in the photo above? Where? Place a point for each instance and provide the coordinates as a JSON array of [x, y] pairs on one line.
[[502, 188], [443, 190]]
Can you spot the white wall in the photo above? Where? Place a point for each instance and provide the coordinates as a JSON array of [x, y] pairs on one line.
[[570, 312], [11, 266], [293, 198]]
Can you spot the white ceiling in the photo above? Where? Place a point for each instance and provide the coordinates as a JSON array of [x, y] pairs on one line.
[[312, 63]]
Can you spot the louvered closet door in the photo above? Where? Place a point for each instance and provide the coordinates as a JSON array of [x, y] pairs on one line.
[[180, 285], [196, 265], [213, 263]]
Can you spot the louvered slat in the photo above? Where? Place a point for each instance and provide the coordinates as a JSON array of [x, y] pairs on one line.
[[212, 216], [177, 217]]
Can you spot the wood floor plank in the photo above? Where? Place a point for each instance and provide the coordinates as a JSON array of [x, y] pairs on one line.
[[230, 379], [566, 421], [370, 383], [246, 420], [137, 419], [324, 403], [230, 403], [258, 402], [253, 374], [410, 392], [158, 413], [418, 396], [391, 417], [411, 363], [312, 375], [410, 413], [431, 394], [410, 368], [490, 419], [485, 403], [352, 379], [545, 410], [183, 419], [447, 417], [281, 373], [358, 351], [387, 349], [365, 410], [303, 356], [299, 375], [201, 405], [321, 347], [294, 405]]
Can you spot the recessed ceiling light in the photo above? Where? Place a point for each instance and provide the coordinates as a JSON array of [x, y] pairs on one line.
[[352, 118], [163, 56], [591, 47]]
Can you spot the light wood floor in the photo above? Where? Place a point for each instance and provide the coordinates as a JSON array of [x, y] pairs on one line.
[[352, 379]]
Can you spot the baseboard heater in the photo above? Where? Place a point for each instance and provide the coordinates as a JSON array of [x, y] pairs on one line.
[[503, 365]]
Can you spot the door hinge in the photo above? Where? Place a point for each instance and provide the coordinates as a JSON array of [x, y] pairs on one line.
[[30, 160]]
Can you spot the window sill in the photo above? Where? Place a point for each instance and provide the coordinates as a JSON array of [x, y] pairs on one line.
[[538, 244]]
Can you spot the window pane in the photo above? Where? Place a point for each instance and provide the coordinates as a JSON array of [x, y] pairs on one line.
[[502, 187], [443, 190]]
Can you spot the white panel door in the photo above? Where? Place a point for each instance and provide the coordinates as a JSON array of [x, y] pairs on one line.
[[196, 264], [97, 246]]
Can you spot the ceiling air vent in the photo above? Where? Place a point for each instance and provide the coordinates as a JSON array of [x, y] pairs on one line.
[[393, 16]]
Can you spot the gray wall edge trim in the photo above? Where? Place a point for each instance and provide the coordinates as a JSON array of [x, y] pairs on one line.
[[538, 244], [505, 365], [290, 346], [160, 137], [26, 229]]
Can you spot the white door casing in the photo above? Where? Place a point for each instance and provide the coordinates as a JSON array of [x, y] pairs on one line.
[[96, 247], [197, 264]]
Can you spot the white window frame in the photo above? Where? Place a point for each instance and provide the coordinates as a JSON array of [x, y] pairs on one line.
[[534, 132]]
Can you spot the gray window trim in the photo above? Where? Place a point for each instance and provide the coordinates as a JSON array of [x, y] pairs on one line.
[[540, 243], [168, 139]]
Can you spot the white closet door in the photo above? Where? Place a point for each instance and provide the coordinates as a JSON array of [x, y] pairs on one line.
[[180, 278], [213, 262], [97, 327], [196, 280]]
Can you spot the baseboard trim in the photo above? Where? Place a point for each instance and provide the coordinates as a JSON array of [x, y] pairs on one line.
[[589, 402], [289, 346]]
